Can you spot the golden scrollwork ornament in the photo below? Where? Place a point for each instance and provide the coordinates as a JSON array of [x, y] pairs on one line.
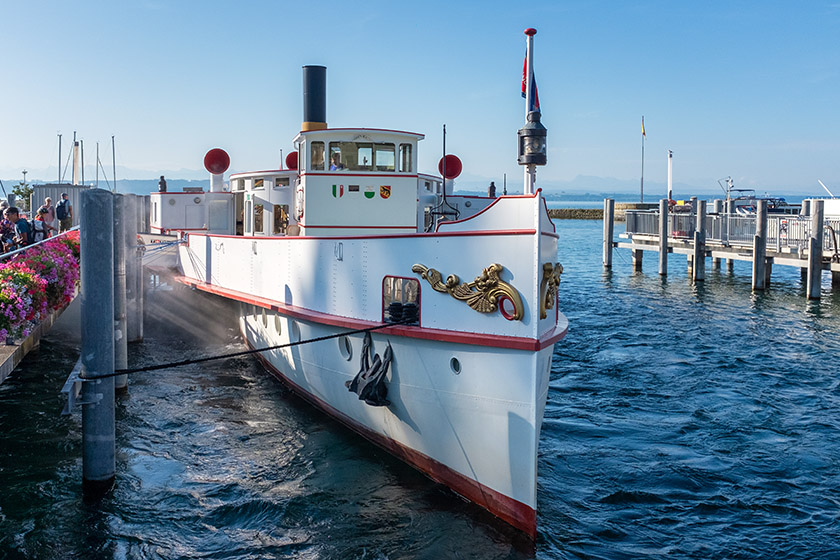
[[548, 287], [484, 294]]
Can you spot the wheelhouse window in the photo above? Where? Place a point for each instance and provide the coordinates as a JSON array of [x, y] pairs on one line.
[[336, 162], [281, 182], [405, 158], [400, 299], [384, 157], [259, 183], [316, 156], [362, 156]]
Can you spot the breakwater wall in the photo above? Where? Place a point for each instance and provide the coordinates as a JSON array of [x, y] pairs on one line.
[[598, 213]]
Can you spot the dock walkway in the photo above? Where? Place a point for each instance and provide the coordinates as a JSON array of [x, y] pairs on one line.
[[808, 242]]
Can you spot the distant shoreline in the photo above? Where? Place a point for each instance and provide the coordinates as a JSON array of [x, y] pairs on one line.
[[597, 213], [577, 213]]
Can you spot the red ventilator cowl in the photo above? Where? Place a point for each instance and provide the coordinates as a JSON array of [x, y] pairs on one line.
[[453, 166], [216, 161], [292, 160]]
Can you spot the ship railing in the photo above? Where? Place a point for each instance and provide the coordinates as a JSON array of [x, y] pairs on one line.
[[785, 233]]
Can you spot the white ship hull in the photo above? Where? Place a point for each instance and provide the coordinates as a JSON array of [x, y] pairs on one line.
[[467, 389], [476, 431]]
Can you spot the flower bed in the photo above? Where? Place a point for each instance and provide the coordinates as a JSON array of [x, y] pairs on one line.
[[37, 281]]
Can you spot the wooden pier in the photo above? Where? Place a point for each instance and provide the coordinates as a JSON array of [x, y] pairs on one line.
[[807, 241]]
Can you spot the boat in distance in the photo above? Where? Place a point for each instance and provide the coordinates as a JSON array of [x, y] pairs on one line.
[[423, 320]]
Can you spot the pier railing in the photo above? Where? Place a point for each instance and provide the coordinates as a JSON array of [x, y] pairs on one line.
[[784, 232]]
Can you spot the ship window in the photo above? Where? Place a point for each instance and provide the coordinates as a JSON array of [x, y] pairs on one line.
[[281, 182], [336, 162], [364, 156], [248, 218], [405, 157], [258, 217], [400, 299], [238, 185], [316, 156], [384, 157], [259, 183], [281, 219]]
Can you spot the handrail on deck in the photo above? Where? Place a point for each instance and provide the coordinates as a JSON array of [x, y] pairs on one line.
[[783, 231]]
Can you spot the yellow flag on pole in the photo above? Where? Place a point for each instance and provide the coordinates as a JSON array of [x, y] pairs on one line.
[[643, 126]]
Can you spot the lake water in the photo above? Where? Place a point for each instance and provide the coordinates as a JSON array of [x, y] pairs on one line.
[[683, 421]]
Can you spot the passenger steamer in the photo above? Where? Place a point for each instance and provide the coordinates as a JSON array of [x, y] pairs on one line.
[[350, 236]]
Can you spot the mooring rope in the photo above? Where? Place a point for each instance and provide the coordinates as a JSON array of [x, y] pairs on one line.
[[242, 353]]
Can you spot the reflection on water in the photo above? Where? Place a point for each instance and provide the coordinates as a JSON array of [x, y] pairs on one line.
[[684, 421]]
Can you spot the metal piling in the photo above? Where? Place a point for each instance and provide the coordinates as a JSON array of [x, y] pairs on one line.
[[97, 329]]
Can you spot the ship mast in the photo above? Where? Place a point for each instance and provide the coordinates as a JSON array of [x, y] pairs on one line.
[[532, 149]]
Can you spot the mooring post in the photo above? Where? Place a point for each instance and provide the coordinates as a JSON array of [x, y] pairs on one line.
[[730, 211], [133, 309], [136, 252], [759, 262], [699, 268], [144, 206], [609, 214], [717, 209], [97, 329], [120, 334], [636, 256], [815, 249], [663, 237]]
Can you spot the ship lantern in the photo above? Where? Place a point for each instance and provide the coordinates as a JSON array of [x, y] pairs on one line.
[[532, 141]]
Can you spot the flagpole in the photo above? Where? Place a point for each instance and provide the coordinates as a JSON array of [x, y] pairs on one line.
[[530, 170], [642, 194]]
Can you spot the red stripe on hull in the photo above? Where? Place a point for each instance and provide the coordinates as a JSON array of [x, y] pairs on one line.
[[291, 238], [476, 339], [513, 512]]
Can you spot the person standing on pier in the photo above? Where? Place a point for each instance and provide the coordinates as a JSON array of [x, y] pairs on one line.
[[162, 184], [22, 233], [7, 229], [49, 216], [64, 213]]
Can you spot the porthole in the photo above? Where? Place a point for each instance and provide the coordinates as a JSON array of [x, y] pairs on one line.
[[278, 323], [294, 335], [197, 200], [171, 202], [345, 348], [455, 365], [468, 204]]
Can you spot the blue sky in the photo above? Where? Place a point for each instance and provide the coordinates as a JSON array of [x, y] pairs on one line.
[[747, 89]]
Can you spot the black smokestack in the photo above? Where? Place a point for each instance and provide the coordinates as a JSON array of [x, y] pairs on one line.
[[314, 98]]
